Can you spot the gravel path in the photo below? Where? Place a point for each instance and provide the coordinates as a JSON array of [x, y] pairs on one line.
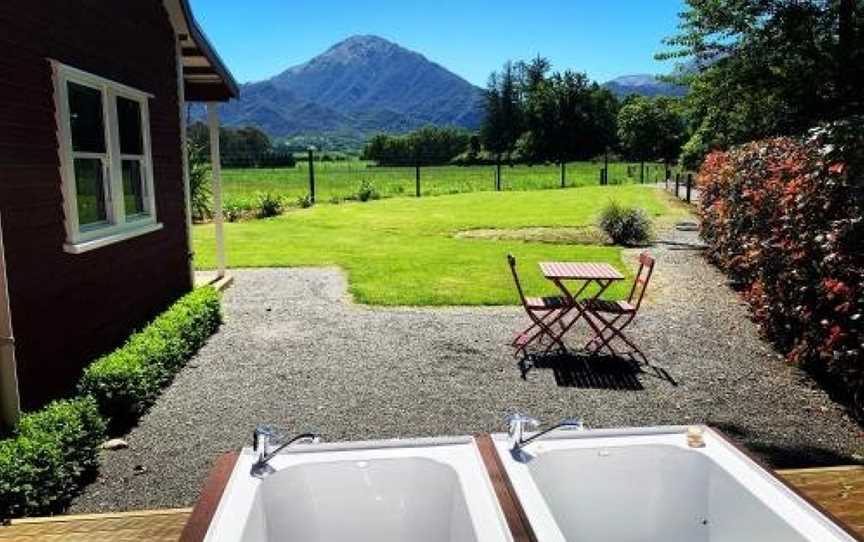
[[294, 352]]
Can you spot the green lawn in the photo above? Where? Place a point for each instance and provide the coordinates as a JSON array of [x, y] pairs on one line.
[[402, 251], [341, 179]]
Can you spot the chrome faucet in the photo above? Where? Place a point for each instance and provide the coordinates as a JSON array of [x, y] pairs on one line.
[[518, 424], [264, 438]]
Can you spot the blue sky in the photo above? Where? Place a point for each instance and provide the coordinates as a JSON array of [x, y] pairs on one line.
[[605, 38]]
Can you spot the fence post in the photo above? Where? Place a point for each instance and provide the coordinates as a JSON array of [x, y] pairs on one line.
[[689, 185], [498, 174], [417, 178], [668, 175], [312, 174], [563, 174], [677, 183], [642, 172]]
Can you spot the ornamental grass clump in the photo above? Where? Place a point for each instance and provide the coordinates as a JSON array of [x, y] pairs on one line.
[[784, 218], [629, 226]]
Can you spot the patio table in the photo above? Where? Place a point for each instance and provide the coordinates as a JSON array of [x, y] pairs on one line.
[[584, 274]]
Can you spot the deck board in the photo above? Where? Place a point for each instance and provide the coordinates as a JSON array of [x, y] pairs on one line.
[[839, 490]]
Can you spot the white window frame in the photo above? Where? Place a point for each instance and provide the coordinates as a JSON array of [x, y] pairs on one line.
[[118, 226]]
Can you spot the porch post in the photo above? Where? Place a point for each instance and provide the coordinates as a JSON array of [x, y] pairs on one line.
[[10, 406], [216, 166], [184, 149]]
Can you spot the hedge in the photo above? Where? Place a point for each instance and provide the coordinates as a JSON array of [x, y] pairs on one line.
[[48, 457], [127, 381], [784, 217]]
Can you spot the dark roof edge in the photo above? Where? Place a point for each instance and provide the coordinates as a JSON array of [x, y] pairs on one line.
[[204, 44]]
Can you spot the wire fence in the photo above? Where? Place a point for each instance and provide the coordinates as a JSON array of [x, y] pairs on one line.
[[328, 179]]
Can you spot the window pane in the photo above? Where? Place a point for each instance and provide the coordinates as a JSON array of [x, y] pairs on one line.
[[133, 194], [129, 117], [85, 117], [90, 191]]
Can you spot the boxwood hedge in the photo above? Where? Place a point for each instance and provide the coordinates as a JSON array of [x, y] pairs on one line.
[[127, 381], [48, 456]]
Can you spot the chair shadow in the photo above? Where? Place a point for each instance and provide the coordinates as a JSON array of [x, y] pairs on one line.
[[591, 371]]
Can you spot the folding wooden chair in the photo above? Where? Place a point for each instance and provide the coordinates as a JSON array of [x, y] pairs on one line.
[[544, 312], [610, 318]]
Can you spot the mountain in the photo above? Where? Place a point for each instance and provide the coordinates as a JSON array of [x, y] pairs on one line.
[[643, 85], [360, 86]]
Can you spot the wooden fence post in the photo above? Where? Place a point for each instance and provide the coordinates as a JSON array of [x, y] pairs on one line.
[[498, 174], [677, 183], [642, 172], [417, 178], [689, 186], [563, 174], [311, 174]]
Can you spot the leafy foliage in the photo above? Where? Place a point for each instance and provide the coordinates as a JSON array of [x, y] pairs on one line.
[[200, 192], [50, 454], [427, 146], [783, 217], [650, 129], [629, 226], [767, 67], [269, 204], [536, 116], [241, 147], [127, 381], [366, 191]]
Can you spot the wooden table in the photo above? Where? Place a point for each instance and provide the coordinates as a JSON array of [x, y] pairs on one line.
[[586, 273]]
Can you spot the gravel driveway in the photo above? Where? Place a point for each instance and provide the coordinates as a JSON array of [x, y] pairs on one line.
[[295, 352]]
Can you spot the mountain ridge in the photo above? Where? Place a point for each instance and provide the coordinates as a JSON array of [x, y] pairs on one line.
[[361, 85]]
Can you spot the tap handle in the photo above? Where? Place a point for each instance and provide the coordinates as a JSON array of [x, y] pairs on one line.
[[521, 421], [262, 437]]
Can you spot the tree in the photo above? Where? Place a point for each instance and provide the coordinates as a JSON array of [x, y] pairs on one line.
[[650, 129], [767, 67], [430, 145], [503, 122]]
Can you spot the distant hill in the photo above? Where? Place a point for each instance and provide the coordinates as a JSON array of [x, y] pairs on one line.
[[643, 85], [360, 86]]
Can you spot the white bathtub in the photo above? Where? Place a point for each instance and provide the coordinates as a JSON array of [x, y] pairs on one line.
[[648, 485], [419, 490]]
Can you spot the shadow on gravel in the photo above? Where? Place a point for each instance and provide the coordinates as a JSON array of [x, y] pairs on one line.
[[589, 371], [780, 456]]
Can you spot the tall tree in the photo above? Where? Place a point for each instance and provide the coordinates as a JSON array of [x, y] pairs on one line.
[[502, 124]]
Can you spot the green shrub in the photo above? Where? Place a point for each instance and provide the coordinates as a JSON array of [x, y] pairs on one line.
[[269, 204], [127, 381], [367, 191], [628, 226], [304, 202], [783, 218], [48, 457]]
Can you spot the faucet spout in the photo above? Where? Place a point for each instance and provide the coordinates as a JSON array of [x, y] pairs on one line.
[[518, 423], [264, 438]]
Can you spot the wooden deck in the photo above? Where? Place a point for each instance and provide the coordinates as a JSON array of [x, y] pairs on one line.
[[839, 490]]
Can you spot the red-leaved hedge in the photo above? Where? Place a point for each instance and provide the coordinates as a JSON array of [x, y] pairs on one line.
[[783, 218]]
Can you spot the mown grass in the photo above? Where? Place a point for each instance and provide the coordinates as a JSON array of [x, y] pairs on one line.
[[341, 180], [404, 251]]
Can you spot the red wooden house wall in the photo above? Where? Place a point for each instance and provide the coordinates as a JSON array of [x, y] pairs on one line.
[[69, 308]]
